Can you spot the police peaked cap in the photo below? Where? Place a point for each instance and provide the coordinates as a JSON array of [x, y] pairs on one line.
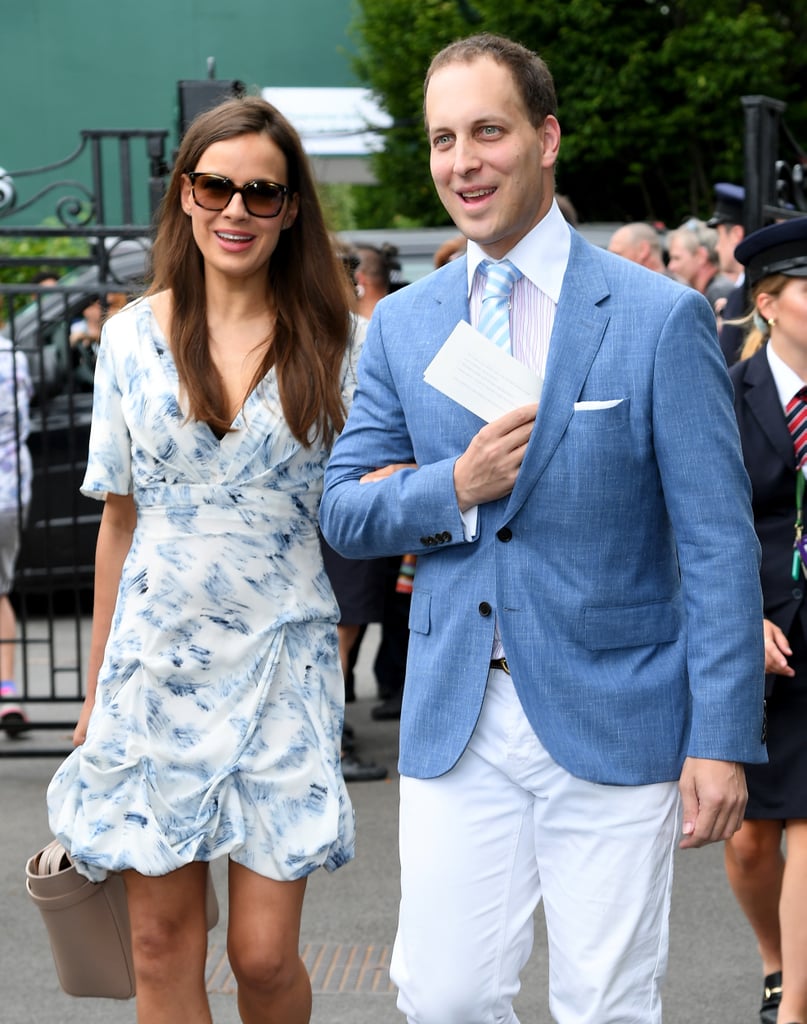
[[776, 249], [729, 201]]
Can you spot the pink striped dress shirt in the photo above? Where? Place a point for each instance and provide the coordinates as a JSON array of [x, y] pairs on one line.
[[541, 256]]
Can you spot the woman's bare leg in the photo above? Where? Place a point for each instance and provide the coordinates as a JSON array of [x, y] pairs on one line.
[[263, 946], [169, 945], [793, 920]]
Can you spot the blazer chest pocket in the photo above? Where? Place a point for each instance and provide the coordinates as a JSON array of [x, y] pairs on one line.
[[631, 625], [595, 418], [601, 443]]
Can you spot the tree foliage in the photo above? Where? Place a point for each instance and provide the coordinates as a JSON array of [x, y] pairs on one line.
[[649, 94], [30, 255], [22, 258]]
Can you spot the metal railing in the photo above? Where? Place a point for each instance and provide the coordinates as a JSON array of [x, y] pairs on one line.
[[775, 165], [52, 592]]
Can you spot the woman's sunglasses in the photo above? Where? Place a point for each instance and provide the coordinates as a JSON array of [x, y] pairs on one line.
[[214, 191]]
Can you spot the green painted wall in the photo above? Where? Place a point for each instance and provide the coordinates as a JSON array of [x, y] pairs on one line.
[[67, 66]]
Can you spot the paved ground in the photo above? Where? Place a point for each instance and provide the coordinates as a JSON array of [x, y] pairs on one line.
[[349, 918]]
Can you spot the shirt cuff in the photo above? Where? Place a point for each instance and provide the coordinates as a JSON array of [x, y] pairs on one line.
[[470, 521]]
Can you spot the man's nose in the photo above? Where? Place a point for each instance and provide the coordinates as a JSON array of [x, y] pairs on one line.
[[466, 155]]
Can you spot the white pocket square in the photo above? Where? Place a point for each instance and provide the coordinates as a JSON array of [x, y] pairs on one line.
[[592, 406]]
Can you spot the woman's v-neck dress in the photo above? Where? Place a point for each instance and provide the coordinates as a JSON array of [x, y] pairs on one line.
[[217, 723]]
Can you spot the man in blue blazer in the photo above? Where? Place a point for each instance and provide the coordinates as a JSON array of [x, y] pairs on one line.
[[586, 622]]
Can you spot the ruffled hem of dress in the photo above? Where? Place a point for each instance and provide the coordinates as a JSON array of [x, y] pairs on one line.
[[99, 848]]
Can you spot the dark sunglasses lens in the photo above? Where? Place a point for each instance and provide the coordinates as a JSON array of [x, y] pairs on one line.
[[263, 199], [212, 193]]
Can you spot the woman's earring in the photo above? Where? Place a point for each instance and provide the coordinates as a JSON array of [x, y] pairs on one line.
[[760, 324], [771, 321]]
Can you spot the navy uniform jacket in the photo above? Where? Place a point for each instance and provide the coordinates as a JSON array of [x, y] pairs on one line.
[[771, 465]]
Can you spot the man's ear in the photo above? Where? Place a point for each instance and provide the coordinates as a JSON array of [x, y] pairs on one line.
[[551, 140]]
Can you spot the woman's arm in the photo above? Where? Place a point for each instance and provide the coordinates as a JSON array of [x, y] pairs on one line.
[[114, 540]]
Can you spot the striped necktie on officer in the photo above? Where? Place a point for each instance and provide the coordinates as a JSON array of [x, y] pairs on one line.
[[796, 416], [494, 318]]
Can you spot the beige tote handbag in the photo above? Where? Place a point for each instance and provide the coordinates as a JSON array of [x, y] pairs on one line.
[[88, 924]]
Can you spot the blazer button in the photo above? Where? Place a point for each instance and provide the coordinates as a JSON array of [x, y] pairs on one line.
[[505, 534], [797, 593], [426, 541], [444, 538], [485, 609]]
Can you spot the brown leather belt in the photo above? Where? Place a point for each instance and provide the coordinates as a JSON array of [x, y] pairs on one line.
[[500, 664]]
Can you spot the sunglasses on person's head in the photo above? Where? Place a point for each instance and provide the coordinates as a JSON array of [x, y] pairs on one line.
[[261, 198]]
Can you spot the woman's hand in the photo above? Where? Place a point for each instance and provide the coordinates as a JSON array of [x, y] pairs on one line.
[[384, 472], [80, 731], [777, 650]]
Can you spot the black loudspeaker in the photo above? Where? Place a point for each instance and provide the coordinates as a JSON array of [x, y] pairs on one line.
[[195, 97]]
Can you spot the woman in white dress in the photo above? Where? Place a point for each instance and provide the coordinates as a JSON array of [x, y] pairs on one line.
[[214, 705]]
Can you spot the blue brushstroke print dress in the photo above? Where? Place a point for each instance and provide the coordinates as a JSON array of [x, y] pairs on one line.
[[217, 723]]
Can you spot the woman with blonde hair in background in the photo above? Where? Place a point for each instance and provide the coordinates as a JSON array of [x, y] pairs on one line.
[[770, 390]]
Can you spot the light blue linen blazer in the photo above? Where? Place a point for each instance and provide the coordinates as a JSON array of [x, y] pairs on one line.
[[623, 568]]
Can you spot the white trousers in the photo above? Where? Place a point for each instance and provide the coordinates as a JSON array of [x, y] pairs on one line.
[[505, 828]]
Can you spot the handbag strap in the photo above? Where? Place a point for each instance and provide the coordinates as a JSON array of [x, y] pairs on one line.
[[53, 859]]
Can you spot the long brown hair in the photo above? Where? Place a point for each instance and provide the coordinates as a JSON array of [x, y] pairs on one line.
[[306, 286]]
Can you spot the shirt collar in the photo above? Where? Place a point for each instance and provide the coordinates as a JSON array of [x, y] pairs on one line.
[[542, 254], [787, 381]]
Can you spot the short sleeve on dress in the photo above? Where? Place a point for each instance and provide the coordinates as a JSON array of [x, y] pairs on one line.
[[109, 460]]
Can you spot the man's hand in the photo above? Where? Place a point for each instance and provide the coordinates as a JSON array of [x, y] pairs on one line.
[[777, 650], [713, 795], [488, 467]]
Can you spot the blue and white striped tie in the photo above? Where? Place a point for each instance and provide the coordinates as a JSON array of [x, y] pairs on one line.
[[494, 319]]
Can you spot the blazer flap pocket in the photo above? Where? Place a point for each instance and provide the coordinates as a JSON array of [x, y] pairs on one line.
[[631, 625], [420, 611]]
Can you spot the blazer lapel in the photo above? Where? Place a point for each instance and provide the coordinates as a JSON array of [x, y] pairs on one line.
[[450, 292], [576, 337], [444, 308], [762, 399]]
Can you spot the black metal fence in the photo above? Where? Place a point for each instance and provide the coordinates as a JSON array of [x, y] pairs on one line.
[[775, 165], [49, 326]]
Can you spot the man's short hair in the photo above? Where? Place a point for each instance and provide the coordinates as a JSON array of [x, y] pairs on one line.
[[530, 74]]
